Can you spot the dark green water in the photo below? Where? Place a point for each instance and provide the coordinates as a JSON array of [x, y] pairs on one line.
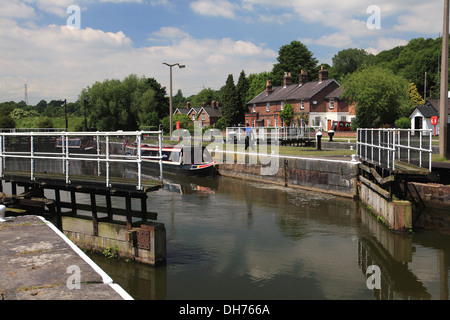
[[230, 239]]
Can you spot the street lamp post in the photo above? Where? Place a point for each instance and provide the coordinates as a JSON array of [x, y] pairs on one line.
[[171, 100]]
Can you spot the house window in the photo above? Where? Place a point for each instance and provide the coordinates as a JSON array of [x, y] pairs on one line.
[[282, 105], [253, 123], [331, 103], [268, 122], [193, 117], [276, 121], [317, 121], [343, 118], [268, 106], [254, 107], [302, 104]]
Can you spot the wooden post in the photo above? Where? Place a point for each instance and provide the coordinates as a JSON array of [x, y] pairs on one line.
[[57, 215], [73, 202], [58, 202], [443, 108], [128, 212], [94, 213], [144, 207], [108, 205]]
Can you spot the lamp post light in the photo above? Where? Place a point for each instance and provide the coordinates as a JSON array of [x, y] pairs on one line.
[[65, 112], [171, 100]]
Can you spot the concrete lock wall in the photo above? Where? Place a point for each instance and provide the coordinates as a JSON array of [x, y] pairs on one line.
[[117, 239], [396, 215], [328, 176]]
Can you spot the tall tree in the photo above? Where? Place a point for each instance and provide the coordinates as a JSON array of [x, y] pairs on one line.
[[242, 87], [125, 105], [293, 58], [380, 95], [232, 114], [257, 84], [348, 61]]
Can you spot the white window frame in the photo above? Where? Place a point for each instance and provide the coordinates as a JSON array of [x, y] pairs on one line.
[[282, 105], [268, 107], [331, 104], [302, 104]]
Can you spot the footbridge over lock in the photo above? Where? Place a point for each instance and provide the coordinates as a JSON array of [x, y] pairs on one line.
[[54, 168], [390, 158]]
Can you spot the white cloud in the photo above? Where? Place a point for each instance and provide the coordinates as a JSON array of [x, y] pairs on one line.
[[56, 62], [345, 20], [214, 8], [169, 33], [16, 9]]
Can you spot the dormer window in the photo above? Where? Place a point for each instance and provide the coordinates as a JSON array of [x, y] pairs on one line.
[[331, 103]]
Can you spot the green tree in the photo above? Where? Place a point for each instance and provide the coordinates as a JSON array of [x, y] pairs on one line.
[[6, 121], [206, 95], [124, 105], [348, 61], [287, 114], [257, 84], [293, 58], [231, 109], [380, 96], [413, 60], [45, 123], [242, 87]]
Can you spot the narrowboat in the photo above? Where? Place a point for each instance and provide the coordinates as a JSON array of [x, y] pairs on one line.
[[175, 160], [84, 145]]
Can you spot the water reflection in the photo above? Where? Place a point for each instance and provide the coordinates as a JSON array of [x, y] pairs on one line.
[[231, 239]]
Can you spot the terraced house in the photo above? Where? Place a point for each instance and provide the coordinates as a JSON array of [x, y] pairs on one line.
[[208, 115], [315, 103]]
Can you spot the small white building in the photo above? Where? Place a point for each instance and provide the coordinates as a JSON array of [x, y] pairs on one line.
[[421, 116]]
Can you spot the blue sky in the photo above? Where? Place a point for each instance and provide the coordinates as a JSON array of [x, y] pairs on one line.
[[213, 38]]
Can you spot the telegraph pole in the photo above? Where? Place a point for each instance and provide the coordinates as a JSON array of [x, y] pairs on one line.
[[443, 107]]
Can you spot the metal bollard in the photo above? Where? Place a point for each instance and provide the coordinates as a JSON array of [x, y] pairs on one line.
[[319, 140]]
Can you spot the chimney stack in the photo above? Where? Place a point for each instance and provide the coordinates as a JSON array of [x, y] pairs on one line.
[[323, 74], [303, 78], [287, 80], [188, 105], [268, 87]]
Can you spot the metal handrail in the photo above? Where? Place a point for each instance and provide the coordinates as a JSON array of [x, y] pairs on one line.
[[392, 145], [281, 133], [66, 157]]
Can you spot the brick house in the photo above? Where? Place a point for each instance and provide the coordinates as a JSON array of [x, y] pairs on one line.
[[208, 115], [315, 103]]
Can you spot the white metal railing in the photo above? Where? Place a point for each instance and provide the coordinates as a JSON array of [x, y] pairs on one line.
[[267, 133], [22, 146], [385, 146]]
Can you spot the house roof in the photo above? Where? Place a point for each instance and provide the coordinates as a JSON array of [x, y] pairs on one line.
[[212, 112], [182, 110], [336, 94], [195, 109], [293, 92], [435, 103], [431, 108]]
